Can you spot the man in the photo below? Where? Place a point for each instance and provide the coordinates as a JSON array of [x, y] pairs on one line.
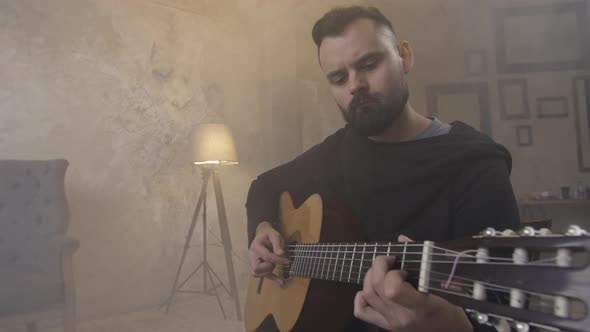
[[400, 172]]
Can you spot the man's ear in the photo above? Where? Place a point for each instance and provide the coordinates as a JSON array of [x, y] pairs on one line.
[[407, 54]]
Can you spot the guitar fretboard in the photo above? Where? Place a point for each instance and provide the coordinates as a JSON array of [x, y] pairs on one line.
[[349, 262]]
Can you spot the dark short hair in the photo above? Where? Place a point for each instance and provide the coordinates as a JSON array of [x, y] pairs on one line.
[[334, 22]]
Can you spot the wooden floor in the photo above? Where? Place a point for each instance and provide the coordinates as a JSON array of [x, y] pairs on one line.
[[194, 314]]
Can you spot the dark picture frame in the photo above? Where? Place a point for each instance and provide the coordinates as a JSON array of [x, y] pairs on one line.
[[505, 113], [481, 90], [504, 17], [544, 107], [524, 135], [581, 91]]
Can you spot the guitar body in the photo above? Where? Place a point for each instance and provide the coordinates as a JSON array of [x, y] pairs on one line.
[[465, 272], [304, 304]]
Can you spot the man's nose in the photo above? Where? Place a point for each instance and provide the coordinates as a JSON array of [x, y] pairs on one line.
[[357, 83]]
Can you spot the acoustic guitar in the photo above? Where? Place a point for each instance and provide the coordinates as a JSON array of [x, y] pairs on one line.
[[524, 281]]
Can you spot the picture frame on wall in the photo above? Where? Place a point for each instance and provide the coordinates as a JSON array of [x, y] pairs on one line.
[[581, 93], [514, 99], [563, 45], [552, 107], [524, 135], [466, 102], [476, 62]]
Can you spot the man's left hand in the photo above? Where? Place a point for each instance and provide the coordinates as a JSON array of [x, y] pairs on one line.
[[390, 302]]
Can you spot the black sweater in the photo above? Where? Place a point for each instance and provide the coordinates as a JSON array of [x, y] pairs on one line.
[[438, 188]]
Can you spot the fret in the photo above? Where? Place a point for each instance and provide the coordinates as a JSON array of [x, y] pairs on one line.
[[295, 261], [318, 261], [336, 263], [374, 251], [329, 258], [308, 260], [332, 250], [328, 252], [320, 252], [315, 256], [300, 254], [298, 260], [351, 261], [301, 268], [343, 261], [293, 266], [358, 279], [322, 261], [404, 255], [324, 257], [326, 261], [388, 248], [303, 265], [302, 260]]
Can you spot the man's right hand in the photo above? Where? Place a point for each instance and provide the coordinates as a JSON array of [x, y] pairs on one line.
[[267, 251]]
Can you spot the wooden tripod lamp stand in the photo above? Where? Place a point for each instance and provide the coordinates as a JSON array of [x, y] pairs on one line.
[[212, 146]]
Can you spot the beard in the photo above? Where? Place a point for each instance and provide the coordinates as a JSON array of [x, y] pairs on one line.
[[371, 114]]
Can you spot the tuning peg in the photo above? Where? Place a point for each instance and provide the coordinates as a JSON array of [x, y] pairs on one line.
[[508, 232], [527, 231], [521, 327], [481, 318], [489, 232], [501, 325], [575, 230], [545, 232]]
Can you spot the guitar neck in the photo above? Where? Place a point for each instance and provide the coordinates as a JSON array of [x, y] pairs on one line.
[[349, 262]]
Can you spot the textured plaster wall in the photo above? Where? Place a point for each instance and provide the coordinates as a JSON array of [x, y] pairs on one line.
[[115, 87]]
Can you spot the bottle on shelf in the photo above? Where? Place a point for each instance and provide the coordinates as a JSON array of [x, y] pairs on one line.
[[581, 191]]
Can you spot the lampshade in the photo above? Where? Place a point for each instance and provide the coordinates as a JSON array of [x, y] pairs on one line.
[[213, 144]]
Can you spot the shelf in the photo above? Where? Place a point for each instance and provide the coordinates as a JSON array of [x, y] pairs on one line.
[[556, 202]]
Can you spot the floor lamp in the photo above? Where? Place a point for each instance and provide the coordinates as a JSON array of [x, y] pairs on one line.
[[212, 146]]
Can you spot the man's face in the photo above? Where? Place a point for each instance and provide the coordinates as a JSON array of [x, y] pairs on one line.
[[366, 76]]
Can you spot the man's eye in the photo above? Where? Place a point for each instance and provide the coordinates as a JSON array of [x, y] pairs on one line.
[[370, 65], [338, 80]]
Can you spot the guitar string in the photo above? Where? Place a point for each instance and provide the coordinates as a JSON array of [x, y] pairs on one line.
[[319, 260], [490, 286], [469, 288], [385, 252], [303, 254], [363, 268], [532, 263], [380, 253], [541, 304], [505, 290]]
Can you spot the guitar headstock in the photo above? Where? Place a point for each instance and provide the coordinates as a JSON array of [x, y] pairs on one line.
[[522, 279]]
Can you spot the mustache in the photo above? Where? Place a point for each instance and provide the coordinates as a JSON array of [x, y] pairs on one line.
[[362, 98]]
